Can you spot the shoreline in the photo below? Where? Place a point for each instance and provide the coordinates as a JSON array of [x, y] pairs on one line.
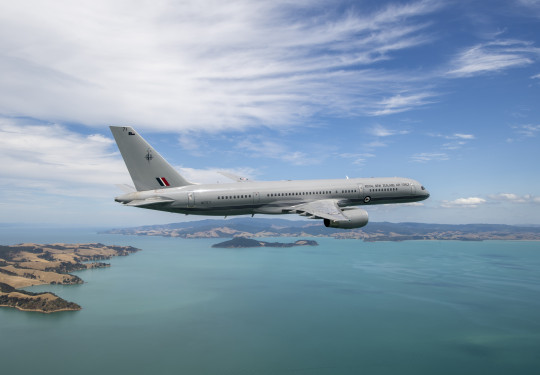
[[30, 264], [40, 311]]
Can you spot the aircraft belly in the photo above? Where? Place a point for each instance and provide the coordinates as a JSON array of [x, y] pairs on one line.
[[212, 211]]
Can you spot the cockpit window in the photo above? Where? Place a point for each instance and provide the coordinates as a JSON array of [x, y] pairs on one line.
[[423, 188]]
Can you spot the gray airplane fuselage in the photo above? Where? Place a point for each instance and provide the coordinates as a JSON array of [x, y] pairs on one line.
[[158, 186], [276, 197]]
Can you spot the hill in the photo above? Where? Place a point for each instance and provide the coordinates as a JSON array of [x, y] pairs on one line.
[[243, 242], [382, 231], [34, 264]]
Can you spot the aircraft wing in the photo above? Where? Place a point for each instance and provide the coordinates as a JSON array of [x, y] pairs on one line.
[[321, 209]]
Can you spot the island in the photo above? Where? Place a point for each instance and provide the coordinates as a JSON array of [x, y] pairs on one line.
[[243, 242], [30, 264]]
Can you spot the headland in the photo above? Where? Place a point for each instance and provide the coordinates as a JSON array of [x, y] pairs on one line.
[[30, 264]]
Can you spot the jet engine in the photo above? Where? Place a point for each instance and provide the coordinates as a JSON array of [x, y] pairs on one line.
[[357, 219]]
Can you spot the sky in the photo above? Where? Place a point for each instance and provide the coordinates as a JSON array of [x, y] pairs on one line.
[[444, 92]]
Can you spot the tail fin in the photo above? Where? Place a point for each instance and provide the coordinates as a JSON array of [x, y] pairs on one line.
[[147, 168]]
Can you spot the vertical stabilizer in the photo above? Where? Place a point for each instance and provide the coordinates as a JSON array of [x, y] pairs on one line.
[[147, 168]]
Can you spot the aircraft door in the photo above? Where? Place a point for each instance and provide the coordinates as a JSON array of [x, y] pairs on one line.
[[413, 189], [256, 197], [361, 191], [191, 199]]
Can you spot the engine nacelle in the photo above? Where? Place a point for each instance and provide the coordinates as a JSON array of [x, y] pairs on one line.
[[357, 219]]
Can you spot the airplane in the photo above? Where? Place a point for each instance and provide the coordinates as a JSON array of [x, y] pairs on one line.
[[160, 187]]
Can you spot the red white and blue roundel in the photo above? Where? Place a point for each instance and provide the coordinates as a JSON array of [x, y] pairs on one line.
[[163, 181]]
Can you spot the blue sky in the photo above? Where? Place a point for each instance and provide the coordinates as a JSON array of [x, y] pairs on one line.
[[445, 92]]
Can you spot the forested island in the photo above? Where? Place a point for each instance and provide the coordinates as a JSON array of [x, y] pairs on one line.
[[243, 242], [382, 231], [30, 264]]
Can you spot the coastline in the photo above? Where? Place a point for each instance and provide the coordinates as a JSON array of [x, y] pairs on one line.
[[30, 264], [373, 232]]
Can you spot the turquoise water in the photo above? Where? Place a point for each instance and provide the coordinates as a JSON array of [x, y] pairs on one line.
[[344, 307]]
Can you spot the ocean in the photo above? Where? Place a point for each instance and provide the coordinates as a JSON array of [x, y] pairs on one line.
[[343, 307]]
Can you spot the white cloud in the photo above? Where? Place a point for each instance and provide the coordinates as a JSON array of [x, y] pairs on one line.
[[381, 131], [471, 202], [403, 102], [514, 198], [429, 156], [414, 204], [532, 7], [530, 3], [528, 131], [453, 145], [493, 57], [374, 144], [463, 136], [358, 159], [276, 150], [459, 140], [202, 64], [454, 136], [55, 160]]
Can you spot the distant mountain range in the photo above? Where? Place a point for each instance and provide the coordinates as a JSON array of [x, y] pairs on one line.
[[382, 231]]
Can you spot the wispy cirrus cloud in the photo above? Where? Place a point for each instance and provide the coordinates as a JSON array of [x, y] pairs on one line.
[[425, 157], [527, 130], [275, 150], [532, 7], [403, 102], [358, 159], [457, 140], [454, 136], [51, 159], [382, 131], [55, 160], [514, 198], [524, 131], [492, 57], [205, 65]]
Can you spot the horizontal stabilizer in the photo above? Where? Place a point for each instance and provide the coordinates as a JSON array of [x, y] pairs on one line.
[[149, 202]]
